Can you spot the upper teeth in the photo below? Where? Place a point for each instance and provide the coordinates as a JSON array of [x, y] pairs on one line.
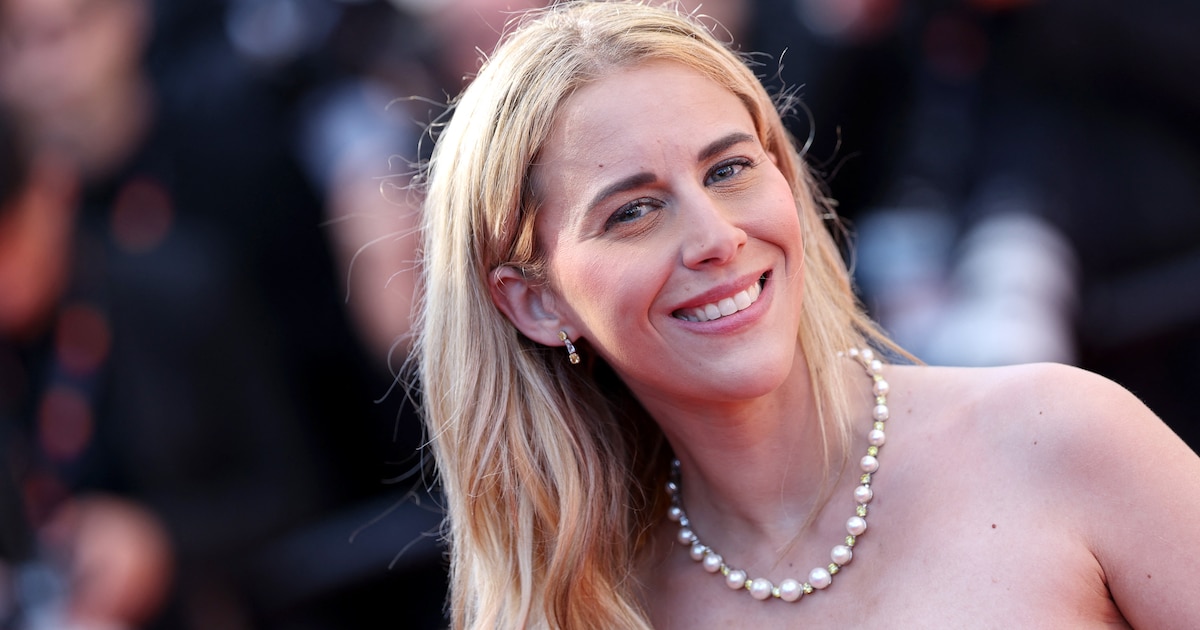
[[726, 306]]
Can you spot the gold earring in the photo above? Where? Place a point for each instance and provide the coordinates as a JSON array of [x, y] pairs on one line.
[[572, 355]]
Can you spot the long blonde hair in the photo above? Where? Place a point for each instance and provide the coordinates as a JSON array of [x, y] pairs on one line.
[[552, 471]]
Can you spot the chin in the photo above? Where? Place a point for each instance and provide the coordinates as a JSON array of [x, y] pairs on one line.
[[746, 378]]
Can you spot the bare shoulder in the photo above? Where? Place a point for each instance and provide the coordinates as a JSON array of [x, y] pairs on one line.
[[1049, 422], [1086, 458], [1042, 404]]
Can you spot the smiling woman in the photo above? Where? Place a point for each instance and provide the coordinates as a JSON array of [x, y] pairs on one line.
[[691, 215], [630, 283]]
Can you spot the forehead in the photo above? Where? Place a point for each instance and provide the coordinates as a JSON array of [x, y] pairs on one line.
[[645, 118], [651, 102]]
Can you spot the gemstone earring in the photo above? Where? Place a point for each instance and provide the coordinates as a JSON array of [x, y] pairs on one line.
[[571, 354]]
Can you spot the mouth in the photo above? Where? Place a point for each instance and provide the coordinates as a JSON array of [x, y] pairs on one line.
[[725, 306]]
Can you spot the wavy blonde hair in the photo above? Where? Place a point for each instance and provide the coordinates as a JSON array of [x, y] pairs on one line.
[[551, 471]]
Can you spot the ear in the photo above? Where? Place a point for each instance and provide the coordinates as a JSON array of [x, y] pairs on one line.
[[528, 304]]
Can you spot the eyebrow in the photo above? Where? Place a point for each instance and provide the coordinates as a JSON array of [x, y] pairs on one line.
[[629, 183], [720, 144], [641, 179]]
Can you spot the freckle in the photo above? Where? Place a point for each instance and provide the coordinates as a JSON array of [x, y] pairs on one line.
[[1147, 576], [993, 526], [1035, 442]]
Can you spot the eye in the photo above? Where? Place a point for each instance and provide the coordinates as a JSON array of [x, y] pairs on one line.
[[726, 170], [632, 211]]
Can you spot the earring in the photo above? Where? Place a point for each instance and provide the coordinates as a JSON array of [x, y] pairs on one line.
[[572, 355]]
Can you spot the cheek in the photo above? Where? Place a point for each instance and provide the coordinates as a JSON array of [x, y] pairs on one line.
[[608, 292], [781, 223], [781, 227]]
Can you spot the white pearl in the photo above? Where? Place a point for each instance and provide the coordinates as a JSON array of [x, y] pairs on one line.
[[790, 590], [841, 554], [820, 578], [736, 579], [761, 588]]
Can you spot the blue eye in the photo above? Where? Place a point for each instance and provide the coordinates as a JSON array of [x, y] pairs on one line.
[[632, 211], [726, 170]]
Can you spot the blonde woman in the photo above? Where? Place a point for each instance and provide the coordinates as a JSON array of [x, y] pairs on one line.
[[655, 402]]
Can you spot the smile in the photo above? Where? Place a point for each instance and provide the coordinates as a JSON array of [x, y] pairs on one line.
[[724, 307]]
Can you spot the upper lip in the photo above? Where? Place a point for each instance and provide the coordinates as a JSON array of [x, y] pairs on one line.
[[721, 291]]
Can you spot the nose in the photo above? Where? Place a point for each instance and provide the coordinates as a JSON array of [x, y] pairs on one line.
[[711, 236]]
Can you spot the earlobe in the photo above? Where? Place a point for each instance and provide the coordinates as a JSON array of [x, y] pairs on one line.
[[528, 304]]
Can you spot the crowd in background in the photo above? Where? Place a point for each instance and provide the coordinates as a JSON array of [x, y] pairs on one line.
[[1021, 176], [206, 255]]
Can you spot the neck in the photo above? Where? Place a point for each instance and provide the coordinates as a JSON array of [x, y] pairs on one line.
[[755, 466], [776, 548]]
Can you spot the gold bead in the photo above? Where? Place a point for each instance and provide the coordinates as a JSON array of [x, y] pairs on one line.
[[851, 540], [834, 568], [861, 510], [808, 589], [865, 478], [872, 451], [879, 426]]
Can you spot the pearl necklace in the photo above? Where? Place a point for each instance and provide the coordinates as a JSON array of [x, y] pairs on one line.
[[791, 589]]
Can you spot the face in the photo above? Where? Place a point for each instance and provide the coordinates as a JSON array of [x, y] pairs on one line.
[[672, 238]]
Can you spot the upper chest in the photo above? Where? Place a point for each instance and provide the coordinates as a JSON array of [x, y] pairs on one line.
[[961, 534]]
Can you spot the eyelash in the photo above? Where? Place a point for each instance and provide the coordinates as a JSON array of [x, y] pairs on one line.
[[740, 163], [626, 213]]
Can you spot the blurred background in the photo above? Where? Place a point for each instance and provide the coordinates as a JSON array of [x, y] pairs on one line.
[[206, 250]]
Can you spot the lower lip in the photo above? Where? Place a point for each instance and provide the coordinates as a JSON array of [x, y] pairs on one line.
[[736, 321]]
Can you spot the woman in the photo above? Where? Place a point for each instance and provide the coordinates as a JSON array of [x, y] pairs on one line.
[[629, 281]]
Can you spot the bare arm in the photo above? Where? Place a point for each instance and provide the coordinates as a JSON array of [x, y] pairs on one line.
[[1137, 487]]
